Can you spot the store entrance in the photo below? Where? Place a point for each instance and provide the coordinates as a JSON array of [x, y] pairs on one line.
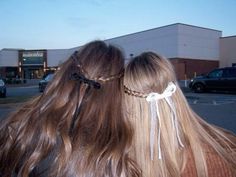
[[33, 72]]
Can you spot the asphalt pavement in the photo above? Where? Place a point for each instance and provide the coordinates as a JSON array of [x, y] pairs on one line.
[[216, 108]]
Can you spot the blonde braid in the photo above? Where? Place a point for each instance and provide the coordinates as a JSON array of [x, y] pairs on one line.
[[134, 93]]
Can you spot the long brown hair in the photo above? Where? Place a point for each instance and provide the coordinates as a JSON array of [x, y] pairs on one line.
[[150, 72], [76, 127]]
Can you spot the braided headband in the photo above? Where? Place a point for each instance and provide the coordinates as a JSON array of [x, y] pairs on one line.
[[80, 76], [153, 98], [93, 82], [134, 93]]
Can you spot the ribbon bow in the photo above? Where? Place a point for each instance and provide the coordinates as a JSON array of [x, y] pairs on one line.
[[82, 78], [153, 98], [171, 88]]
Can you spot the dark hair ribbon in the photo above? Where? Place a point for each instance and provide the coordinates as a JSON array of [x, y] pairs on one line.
[[82, 78]]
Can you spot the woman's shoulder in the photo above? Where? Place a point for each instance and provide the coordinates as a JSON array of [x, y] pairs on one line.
[[217, 166]]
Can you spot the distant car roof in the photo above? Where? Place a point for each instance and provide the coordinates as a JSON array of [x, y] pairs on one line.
[[49, 77]]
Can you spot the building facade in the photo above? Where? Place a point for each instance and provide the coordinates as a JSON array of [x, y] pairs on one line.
[[32, 63], [192, 50], [228, 51], [8, 63]]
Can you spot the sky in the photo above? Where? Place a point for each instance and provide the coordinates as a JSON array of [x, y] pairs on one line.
[[63, 24]]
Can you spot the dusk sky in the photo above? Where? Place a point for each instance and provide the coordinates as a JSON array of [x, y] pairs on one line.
[[62, 24]]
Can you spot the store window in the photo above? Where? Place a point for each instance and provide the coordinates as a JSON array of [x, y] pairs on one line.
[[33, 58], [32, 63]]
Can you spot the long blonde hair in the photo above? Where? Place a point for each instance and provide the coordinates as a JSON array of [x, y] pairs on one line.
[[76, 127], [148, 73]]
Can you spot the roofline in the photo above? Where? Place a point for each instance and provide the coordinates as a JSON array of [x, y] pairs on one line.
[[228, 36], [12, 49], [196, 59], [130, 35], [163, 27], [26, 50], [198, 27]]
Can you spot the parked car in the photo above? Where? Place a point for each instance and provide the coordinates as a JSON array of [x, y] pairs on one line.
[[43, 83], [3, 90], [218, 79]]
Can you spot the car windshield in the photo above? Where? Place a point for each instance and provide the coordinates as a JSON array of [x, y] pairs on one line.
[[49, 77], [1, 82], [215, 74]]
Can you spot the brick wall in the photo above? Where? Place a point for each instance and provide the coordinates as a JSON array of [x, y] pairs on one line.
[[187, 68]]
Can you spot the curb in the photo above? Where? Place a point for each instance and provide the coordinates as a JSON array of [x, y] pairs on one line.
[[10, 105], [20, 85]]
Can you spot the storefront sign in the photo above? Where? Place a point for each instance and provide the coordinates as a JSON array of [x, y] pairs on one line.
[[33, 54]]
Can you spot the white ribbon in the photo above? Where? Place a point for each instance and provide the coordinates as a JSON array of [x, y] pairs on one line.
[[153, 98]]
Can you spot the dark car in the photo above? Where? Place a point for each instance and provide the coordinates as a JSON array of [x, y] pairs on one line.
[[43, 83], [218, 79], [3, 90]]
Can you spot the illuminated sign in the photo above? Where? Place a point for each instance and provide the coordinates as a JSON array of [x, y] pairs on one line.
[[29, 58], [33, 54]]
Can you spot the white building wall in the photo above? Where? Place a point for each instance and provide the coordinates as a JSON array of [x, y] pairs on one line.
[[8, 57], [162, 40], [172, 41], [57, 56], [198, 43], [227, 51]]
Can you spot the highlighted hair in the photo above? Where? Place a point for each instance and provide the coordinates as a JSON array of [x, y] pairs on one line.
[[148, 73], [73, 128]]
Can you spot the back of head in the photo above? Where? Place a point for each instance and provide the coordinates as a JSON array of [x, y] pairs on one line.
[[166, 130], [76, 125], [150, 73]]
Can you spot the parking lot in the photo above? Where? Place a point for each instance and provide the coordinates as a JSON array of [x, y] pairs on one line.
[[216, 108], [15, 97]]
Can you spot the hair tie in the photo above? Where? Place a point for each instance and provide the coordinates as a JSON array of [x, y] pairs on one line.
[[153, 99]]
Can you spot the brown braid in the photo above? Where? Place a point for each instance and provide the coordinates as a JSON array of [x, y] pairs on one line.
[[103, 79], [83, 71], [116, 76], [134, 93]]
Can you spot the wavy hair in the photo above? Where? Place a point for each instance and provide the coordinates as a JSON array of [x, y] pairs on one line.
[[76, 127], [150, 72]]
